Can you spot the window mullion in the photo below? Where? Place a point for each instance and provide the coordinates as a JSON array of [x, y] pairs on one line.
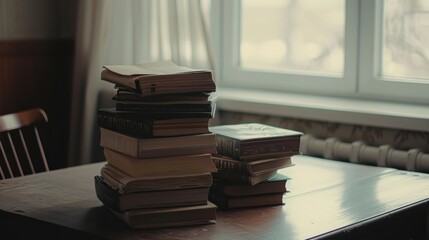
[[367, 45], [351, 45]]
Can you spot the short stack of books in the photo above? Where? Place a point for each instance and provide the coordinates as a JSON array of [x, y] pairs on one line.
[[248, 157], [157, 145]]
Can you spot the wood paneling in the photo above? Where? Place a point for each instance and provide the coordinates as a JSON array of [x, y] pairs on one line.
[[38, 73]]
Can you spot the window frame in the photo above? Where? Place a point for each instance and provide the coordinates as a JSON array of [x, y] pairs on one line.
[[361, 45], [371, 84]]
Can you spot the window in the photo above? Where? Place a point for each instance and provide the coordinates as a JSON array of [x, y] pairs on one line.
[[281, 36], [356, 49], [405, 38]]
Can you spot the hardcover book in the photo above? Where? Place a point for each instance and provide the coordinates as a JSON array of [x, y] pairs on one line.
[[139, 147], [123, 94], [251, 168], [153, 199], [225, 202], [124, 183], [241, 178], [250, 141], [151, 127], [157, 78], [160, 167], [275, 184], [165, 107], [155, 115], [168, 217]]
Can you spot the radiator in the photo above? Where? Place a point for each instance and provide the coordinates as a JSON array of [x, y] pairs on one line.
[[359, 152]]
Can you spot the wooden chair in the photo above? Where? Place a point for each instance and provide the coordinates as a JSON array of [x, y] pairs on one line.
[[21, 149]]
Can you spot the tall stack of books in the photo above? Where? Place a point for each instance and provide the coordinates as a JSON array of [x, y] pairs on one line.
[[157, 145], [248, 157]]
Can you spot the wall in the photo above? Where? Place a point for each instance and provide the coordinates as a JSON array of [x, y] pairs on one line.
[[36, 60]]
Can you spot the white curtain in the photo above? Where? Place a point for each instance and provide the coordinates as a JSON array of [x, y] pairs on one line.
[[127, 32]]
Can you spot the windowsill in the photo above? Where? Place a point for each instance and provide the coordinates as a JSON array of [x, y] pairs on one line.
[[349, 111]]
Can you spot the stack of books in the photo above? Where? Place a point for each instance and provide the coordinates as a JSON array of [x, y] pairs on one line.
[[248, 157], [158, 145]]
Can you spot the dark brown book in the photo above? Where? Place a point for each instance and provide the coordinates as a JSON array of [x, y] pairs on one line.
[[155, 115], [140, 147], [152, 199], [165, 107], [160, 167], [124, 183], [225, 202], [253, 168], [250, 141], [241, 178], [275, 184], [168, 217], [143, 126], [123, 94], [157, 78]]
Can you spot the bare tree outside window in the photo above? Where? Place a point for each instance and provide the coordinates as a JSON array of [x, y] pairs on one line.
[[405, 40], [293, 35]]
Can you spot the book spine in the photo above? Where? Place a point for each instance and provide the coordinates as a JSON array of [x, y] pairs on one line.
[[217, 187], [218, 199], [139, 127], [232, 177], [119, 142], [105, 195], [228, 146], [288, 147], [229, 165], [164, 108], [125, 81]]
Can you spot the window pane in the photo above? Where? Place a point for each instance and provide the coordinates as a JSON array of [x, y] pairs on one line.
[[293, 35], [406, 39]]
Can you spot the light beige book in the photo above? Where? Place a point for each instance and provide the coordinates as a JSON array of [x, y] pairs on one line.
[[254, 141], [158, 147], [169, 217], [124, 183], [157, 78], [160, 167]]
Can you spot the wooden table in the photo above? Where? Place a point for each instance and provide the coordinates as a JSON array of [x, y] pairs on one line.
[[327, 199]]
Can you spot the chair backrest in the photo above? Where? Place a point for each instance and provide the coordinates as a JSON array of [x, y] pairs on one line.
[[21, 148]]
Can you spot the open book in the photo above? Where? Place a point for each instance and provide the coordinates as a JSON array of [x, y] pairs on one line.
[[157, 78]]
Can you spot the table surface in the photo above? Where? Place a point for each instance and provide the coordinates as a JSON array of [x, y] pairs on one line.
[[324, 196]]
